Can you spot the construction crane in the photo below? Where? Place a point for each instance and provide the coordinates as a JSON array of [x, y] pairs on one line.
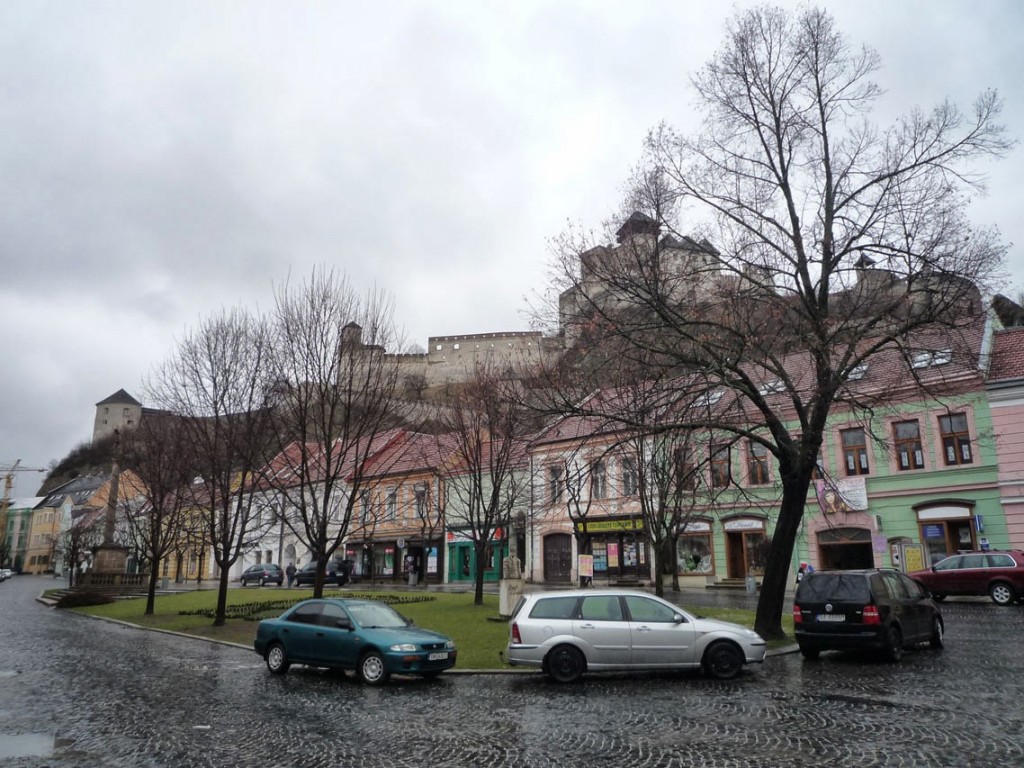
[[8, 473]]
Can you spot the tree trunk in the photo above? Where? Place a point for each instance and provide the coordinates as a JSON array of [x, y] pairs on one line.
[[771, 603], [151, 591], [220, 618]]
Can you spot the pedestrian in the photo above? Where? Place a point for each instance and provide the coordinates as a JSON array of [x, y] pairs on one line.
[[290, 572]]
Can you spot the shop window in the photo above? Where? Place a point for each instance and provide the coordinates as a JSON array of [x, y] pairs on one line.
[[721, 468], [694, 553], [598, 480], [554, 484], [757, 463], [629, 476], [855, 451], [907, 438], [956, 440]]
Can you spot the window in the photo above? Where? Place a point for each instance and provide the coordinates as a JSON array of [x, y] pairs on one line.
[[708, 399], [365, 506], [597, 480], [928, 358], [645, 609], [392, 504], [721, 470], [694, 553], [421, 503], [554, 608], [554, 484], [956, 440], [686, 472], [771, 387], [855, 451], [857, 372], [757, 463], [604, 608], [629, 478], [907, 437]]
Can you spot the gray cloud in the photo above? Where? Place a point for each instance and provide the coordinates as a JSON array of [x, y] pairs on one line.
[[160, 160]]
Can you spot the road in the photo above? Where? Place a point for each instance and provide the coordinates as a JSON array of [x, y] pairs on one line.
[[75, 691]]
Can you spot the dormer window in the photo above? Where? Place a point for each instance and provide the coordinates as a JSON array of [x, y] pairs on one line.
[[709, 398], [857, 372], [929, 358], [771, 387]]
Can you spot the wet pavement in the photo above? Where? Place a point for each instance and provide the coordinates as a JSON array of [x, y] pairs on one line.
[[79, 692]]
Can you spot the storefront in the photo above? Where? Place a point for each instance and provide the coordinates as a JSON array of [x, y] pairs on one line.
[[619, 547], [695, 552], [946, 529], [462, 556], [845, 548], [744, 546], [396, 560]]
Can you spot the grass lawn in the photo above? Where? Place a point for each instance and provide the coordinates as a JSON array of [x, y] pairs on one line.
[[477, 630]]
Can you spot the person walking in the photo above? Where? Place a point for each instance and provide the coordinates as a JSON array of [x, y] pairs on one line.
[[290, 573]]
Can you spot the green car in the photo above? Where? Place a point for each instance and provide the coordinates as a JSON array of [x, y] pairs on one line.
[[363, 635]]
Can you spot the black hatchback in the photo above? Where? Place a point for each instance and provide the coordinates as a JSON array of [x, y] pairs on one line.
[[878, 609], [336, 572]]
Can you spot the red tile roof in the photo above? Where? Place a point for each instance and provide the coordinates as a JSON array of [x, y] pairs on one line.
[[1007, 355]]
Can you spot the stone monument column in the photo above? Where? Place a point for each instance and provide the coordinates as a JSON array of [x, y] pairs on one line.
[[109, 559]]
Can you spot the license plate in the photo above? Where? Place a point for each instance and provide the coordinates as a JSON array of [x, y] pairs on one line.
[[835, 617], [437, 656]]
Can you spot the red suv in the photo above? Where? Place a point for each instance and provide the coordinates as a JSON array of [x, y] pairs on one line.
[[998, 574]]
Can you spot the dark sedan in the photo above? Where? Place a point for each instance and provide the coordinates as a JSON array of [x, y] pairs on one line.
[[367, 636], [1000, 575]]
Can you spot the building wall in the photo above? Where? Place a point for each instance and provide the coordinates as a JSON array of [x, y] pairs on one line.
[[1007, 405], [111, 416]]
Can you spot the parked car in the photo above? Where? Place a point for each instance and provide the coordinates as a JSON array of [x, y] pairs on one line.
[[367, 636], [5, 574], [567, 634], [998, 574], [337, 572], [264, 573], [880, 609]]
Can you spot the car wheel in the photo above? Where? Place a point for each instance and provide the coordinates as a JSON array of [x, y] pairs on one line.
[[566, 664], [277, 659], [938, 598], [372, 670], [894, 644], [936, 639], [243, 582], [262, 582], [809, 653], [1001, 593], [723, 660]]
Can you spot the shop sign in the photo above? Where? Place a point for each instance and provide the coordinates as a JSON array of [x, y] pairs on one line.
[[748, 524], [698, 527], [933, 532], [601, 526]]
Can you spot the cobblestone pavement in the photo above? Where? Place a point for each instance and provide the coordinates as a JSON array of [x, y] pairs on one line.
[[79, 692]]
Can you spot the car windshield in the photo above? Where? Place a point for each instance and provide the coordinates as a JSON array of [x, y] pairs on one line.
[[834, 586], [369, 615]]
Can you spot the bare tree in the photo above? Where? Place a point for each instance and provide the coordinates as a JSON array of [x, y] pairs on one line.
[[340, 405], [158, 453], [218, 383], [81, 537], [834, 243], [486, 477]]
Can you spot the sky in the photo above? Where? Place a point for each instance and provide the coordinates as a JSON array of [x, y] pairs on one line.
[[162, 160]]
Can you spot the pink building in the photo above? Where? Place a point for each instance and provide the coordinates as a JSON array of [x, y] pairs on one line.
[[1006, 401]]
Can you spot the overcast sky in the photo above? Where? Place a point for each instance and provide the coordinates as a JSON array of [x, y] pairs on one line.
[[159, 160]]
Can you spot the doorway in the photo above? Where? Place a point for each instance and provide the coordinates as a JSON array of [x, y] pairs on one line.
[[558, 557]]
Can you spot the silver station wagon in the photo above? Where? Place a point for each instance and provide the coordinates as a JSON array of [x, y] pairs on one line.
[[569, 633]]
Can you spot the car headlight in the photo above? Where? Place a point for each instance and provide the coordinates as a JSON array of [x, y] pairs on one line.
[[450, 644], [404, 647]]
